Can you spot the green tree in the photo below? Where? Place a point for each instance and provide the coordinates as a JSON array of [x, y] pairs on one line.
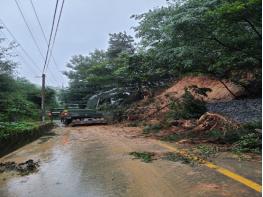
[[120, 43], [217, 37]]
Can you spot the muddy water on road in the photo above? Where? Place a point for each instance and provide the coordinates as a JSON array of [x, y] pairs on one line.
[[93, 161], [72, 164]]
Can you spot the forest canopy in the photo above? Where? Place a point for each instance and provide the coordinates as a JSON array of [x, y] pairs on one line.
[[221, 38]]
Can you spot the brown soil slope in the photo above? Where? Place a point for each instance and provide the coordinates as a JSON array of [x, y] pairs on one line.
[[218, 93]]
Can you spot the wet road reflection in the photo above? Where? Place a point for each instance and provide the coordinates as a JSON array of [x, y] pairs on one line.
[[68, 168]]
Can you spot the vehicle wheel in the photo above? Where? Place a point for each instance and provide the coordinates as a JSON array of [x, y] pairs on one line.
[[67, 122]]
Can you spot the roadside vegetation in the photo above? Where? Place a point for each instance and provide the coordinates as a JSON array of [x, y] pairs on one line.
[[11, 129], [20, 100]]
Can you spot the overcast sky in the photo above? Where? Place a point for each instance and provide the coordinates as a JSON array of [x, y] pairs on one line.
[[85, 26]]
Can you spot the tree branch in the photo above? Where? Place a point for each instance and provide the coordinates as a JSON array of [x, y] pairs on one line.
[[235, 49], [253, 27]]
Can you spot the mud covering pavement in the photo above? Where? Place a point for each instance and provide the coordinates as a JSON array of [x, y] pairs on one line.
[[95, 161], [24, 168]]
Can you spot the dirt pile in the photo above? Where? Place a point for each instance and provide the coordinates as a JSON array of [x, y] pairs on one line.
[[157, 106], [219, 90], [24, 168]]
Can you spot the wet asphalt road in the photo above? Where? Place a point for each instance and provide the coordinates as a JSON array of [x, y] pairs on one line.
[[94, 162]]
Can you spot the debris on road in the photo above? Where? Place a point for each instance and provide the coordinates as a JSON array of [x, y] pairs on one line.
[[210, 121], [176, 157], [25, 168], [146, 157]]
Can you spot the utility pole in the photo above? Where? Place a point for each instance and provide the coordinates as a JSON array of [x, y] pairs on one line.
[[43, 98]]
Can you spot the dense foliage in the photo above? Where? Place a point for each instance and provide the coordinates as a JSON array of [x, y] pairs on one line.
[[19, 99], [216, 37]]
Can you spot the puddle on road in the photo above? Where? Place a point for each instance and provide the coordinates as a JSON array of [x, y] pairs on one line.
[[66, 169]]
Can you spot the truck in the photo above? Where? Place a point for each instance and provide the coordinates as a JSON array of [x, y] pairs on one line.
[[55, 113], [76, 116]]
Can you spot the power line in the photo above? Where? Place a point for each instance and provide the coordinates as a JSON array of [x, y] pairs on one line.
[[56, 31], [28, 27], [50, 36], [43, 32], [19, 44], [39, 23], [31, 33], [20, 54], [24, 50], [24, 60]]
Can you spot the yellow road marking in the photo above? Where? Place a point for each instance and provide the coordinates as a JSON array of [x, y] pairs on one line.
[[228, 173]]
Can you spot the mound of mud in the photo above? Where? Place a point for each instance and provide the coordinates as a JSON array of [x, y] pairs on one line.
[[24, 168]]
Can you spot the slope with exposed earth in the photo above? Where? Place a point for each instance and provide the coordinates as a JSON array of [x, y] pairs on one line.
[[220, 99]]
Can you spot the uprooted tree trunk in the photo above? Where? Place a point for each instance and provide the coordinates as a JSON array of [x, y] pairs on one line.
[[210, 121]]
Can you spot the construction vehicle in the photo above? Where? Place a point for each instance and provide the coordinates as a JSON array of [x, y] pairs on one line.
[[76, 116]]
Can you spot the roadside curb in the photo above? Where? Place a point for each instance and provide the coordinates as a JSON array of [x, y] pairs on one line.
[[13, 142]]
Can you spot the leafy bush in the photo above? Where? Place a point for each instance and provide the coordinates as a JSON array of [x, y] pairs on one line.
[[251, 142], [8, 129], [187, 107], [251, 138]]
